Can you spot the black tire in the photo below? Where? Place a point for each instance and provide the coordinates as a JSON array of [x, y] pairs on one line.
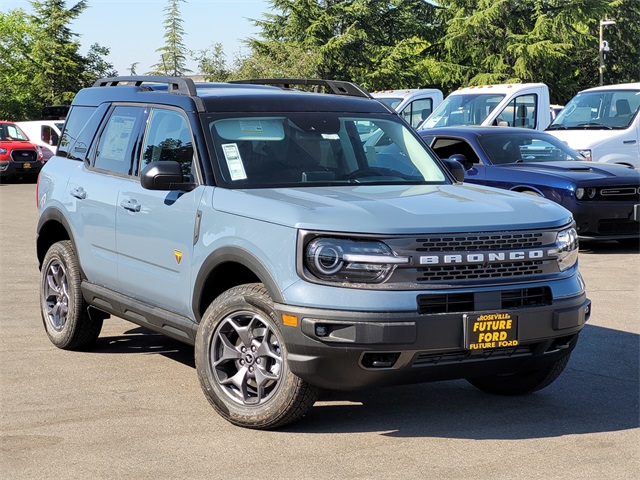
[[64, 311], [520, 383], [241, 362]]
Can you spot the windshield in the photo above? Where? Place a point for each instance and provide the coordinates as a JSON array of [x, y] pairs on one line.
[[501, 149], [391, 102], [10, 131], [466, 109], [600, 110], [319, 148]]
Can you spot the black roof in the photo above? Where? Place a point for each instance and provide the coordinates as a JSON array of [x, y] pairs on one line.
[[243, 96]]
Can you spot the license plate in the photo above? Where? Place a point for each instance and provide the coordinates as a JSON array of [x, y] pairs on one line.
[[490, 330], [26, 166]]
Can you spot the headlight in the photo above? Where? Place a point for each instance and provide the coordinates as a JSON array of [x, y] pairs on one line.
[[3, 151], [340, 260], [586, 154], [566, 248], [588, 192]]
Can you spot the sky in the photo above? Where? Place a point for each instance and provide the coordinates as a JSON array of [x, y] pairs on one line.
[[133, 29]]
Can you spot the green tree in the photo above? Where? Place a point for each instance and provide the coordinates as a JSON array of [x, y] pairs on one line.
[[549, 41], [623, 60], [173, 55], [17, 97], [367, 41], [212, 63], [40, 60]]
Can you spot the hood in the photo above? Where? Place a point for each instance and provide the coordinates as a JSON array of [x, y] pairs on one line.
[[14, 144], [579, 171], [394, 209]]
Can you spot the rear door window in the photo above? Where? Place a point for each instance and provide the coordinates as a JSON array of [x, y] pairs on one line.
[[119, 141]]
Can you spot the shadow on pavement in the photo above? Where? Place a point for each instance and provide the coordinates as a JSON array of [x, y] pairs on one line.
[[597, 392], [144, 341]]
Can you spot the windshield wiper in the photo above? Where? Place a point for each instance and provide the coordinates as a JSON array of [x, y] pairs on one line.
[[557, 127], [594, 124]]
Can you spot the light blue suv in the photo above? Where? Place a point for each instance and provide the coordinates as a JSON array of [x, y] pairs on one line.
[[255, 223]]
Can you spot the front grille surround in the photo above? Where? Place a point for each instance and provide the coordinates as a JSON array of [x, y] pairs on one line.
[[447, 260], [24, 156]]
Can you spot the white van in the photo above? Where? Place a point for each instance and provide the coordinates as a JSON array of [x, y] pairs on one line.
[[523, 105], [603, 124], [45, 133], [414, 104]]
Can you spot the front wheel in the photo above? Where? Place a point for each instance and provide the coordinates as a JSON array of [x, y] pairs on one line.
[[64, 311], [241, 361], [520, 383]]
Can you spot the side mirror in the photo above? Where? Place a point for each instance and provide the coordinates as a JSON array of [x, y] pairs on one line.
[[455, 164], [164, 175]]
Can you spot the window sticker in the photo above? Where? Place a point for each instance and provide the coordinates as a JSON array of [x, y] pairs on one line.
[[253, 126], [117, 137], [234, 161]]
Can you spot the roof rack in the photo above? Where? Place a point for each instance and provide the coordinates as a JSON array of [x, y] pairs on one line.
[[177, 85], [337, 87]]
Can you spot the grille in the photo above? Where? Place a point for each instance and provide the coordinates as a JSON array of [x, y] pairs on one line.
[[456, 259], [623, 194], [24, 155], [499, 300], [618, 227], [461, 356], [448, 273], [479, 242]]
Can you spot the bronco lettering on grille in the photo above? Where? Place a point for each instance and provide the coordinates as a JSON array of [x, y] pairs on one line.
[[490, 257]]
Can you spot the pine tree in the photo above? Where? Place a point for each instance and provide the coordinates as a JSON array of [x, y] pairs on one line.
[[173, 55]]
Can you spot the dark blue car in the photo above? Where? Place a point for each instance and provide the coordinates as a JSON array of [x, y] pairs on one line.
[[603, 198]]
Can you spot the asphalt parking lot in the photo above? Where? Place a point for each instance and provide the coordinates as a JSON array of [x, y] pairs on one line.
[[132, 408]]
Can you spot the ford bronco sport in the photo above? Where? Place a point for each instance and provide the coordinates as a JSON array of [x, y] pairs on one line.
[[251, 222]]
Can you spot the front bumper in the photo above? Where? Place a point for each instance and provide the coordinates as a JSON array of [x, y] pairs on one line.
[[607, 220], [19, 169], [351, 350]]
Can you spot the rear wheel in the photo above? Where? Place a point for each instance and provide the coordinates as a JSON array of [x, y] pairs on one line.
[[241, 361], [520, 383], [64, 311]]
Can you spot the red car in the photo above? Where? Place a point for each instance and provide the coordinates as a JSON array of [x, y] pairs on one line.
[[19, 158]]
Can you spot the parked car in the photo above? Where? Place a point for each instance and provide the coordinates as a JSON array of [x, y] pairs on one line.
[[45, 133], [603, 197], [603, 124], [19, 157], [250, 221]]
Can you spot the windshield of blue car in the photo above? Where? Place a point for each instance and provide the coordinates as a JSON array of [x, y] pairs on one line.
[[502, 149], [464, 109], [599, 110], [319, 149]]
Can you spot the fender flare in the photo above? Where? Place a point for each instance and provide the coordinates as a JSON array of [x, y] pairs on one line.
[[238, 255]]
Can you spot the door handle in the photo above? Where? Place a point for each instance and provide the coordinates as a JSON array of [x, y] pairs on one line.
[[131, 205], [78, 192]]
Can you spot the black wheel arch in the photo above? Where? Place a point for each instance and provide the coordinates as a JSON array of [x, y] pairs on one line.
[[226, 268], [52, 227]]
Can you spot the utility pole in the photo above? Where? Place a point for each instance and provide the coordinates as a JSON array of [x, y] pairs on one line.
[[603, 47]]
